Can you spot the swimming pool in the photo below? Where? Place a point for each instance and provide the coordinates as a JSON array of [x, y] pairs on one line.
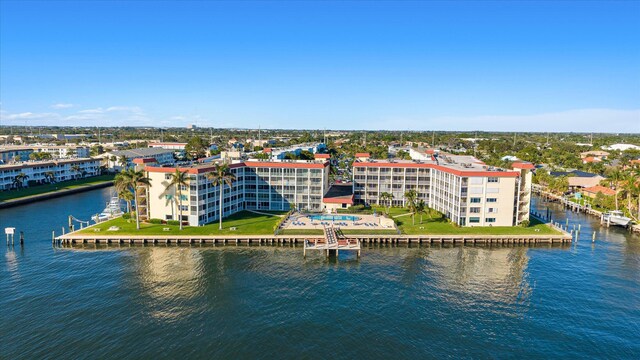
[[334, 217]]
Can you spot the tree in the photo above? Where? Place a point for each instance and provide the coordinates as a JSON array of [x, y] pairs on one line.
[[128, 181], [387, 197], [410, 197], [196, 148], [219, 176], [615, 176], [123, 161], [178, 180], [421, 207], [76, 169], [49, 176], [18, 180]]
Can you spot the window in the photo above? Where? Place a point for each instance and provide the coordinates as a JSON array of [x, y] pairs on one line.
[[493, 190], [475, 181], [475, 190], [474, 220], [490, 220], [493, 180], [474, 210], [476, 200], [492, 200], [492, 210]]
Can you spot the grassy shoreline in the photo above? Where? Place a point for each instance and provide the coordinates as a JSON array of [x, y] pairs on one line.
[[38, 190]]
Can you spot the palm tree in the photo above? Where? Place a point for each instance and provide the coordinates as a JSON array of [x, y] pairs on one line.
[[123, 161], [178, 180], [421, 207], [127, 183], [219, 176], [76, 168], [127, 196], [122, 183], [138, 178], [615, 176], [387, 197], [49, 176], [410, 197], [18, 180]]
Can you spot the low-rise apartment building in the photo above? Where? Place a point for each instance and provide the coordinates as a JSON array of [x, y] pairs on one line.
[[162, 156], [259, 185], [465, 190], [40, 171]]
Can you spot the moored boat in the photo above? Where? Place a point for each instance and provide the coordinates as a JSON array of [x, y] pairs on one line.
[[616, 217]]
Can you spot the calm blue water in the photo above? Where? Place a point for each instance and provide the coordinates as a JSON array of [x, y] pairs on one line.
[[580, 301], [334, 217]]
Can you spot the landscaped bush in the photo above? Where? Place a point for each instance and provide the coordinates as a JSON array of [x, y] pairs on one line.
[[525, 223], [126, 216], [155, 221], [357, 209], [173, 222]]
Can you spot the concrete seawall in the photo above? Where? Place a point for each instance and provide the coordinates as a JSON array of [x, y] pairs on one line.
[[71, 239]]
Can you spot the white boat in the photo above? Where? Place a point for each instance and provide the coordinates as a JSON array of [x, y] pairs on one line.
[[111, 210], [616, 217]]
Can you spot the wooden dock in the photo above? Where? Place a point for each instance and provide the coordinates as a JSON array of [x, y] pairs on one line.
[[332, 242]]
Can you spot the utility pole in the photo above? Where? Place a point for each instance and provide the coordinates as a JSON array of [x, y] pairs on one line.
[[365, 140], [514, 140], [433, 139]]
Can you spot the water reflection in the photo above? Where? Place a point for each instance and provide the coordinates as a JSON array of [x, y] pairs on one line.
[[488, 274], [170, 277]]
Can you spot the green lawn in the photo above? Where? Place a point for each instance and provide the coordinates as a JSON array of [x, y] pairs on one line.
[[63, 185], [440, 226], [245, 222], [248, 223]]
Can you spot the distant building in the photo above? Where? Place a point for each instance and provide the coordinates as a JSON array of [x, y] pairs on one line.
[[191, 127], [162, 156], [579, 179], [36, 171], [14, 153], [593, 191], [621, 147]]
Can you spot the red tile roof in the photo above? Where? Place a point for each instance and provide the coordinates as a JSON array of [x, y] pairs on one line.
[[321, 156], [266, 150], [599, 188], [363, 155], [144, 160], [439, 167]]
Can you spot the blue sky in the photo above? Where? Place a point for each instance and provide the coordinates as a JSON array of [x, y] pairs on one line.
[[529, 66]]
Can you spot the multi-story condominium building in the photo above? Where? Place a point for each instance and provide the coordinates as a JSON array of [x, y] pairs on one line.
[[463, 188], [259, 185], [39, 171], [64, 152], [21, 153], [14, 153]]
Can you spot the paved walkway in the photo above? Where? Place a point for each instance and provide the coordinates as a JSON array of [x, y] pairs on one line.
[[264, 213]]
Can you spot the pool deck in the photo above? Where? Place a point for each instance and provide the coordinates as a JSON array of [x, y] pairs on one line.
[[364, 222]]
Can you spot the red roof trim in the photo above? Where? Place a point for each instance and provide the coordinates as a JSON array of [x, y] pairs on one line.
[[338, 200], [441, 168], [286, 165], [321, 156], [363, 155], [521, 165]]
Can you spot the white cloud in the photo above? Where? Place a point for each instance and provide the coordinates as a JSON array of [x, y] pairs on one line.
[[62, 106], [579, 120]]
